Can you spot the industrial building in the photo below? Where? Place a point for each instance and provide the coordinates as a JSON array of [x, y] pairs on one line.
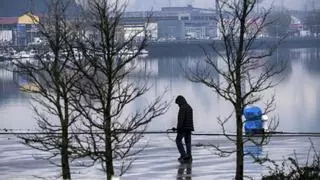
[[177, 22], [169, 23]]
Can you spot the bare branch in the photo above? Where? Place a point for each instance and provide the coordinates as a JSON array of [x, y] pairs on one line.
[[240, 74]]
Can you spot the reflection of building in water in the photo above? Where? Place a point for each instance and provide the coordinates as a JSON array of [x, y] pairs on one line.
[[297, 97], [313, 63], [143, 67], [8, 87], [5, 75], [178, 67]]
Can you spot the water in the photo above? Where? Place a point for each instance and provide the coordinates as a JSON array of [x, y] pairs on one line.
[[298, 109]]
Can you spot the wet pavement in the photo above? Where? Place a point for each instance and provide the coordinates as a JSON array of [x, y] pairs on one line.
[[159, 159]]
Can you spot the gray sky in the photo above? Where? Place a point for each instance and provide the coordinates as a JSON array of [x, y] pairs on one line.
[[290, 4]]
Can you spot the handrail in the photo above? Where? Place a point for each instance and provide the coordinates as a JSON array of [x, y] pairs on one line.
[[169, 131]]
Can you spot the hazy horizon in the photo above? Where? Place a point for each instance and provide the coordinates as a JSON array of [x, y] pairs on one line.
[[157, 4]]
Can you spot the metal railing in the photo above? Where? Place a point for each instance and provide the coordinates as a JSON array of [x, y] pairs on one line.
[[168, 131]]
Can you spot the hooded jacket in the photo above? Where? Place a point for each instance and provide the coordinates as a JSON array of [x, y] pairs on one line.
[[185, 115]]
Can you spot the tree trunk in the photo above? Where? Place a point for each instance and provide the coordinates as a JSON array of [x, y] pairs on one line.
[[239, 169], [108, 150], [238, 108], [64, 154], [239, 101]]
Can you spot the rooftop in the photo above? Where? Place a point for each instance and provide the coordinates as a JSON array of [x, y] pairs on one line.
[[8, 20]]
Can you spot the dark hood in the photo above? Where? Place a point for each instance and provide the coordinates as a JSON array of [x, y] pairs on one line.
[[180, 100]]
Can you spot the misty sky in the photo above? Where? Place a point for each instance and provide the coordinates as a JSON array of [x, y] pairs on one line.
[[147, 4]]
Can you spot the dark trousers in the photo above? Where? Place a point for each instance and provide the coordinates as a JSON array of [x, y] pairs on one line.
[[187, 139]]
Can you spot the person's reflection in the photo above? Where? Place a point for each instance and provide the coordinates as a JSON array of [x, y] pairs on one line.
[[184, 171]]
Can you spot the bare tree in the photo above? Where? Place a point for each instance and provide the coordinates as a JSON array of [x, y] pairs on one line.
[[51, 81], [243, 73], [108, 89]]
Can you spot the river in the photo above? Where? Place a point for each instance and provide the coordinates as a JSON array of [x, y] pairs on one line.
[[297, 95], [297, 107]]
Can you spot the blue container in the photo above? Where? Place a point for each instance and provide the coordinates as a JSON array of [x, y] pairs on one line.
[[253, 120]]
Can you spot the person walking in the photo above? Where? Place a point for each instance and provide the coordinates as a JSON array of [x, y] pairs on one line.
[[184, 128]]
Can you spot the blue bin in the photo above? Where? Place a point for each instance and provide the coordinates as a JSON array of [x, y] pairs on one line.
[[253, 120]]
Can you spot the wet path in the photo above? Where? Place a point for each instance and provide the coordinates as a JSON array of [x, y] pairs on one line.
[[158, 160]]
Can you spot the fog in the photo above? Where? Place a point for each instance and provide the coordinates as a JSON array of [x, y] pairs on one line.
[[157, 4]]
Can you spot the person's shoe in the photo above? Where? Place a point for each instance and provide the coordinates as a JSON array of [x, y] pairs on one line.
[[187, 158], [180, 158]]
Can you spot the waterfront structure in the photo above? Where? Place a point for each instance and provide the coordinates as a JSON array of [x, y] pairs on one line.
[[16, 26], [18, 30], [183, 23], [166, 24], [177, 22], [27, 29], [297, 28], [7, 25]]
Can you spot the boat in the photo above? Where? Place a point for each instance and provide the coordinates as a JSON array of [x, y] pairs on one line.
[[144, 53], [133, 52], [7, 54], [24, 57], [4, 56]]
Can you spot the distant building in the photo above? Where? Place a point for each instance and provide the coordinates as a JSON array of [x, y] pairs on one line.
[[16, 26], [18, 30], [27, 28], [177, 22], [296, 27], [133, 30], [7, 25], [171, 30]]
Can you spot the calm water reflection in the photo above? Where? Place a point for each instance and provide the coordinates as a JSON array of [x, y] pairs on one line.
[[297, 96]]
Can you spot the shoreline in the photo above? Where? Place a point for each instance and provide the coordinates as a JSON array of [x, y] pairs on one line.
[[196, 47]]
